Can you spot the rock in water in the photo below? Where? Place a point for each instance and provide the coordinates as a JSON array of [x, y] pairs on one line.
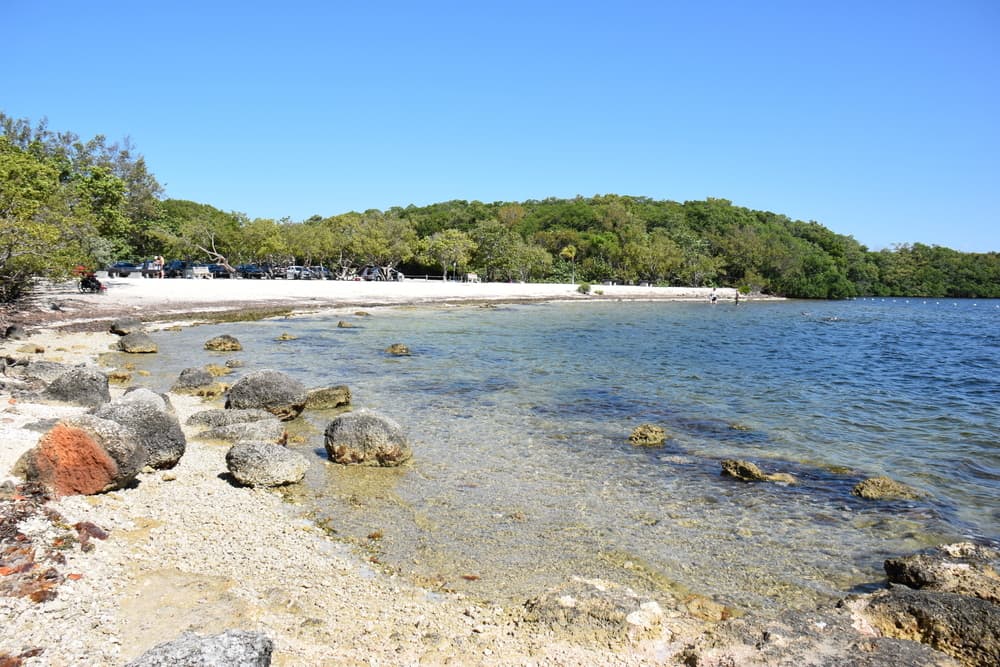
[[328, 398], [265, 464], [137, 342], [366, 438], [80, 386], [884, 488], [232, 647], [748, 472], [84, 455], [274, 391], [125, 325], [223, 343], [648, 435]]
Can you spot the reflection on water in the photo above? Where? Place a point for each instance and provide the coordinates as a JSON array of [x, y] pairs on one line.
[[523, 475]]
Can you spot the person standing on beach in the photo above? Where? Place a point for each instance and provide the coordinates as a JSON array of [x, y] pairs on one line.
[[714, 298], [158, 265]]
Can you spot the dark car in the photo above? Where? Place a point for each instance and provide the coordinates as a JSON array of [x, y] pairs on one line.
[[175, 268], [253, 271], [123, 269], [219, 271]]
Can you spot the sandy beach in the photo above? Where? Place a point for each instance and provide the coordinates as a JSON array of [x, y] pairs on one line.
[[188, 551]]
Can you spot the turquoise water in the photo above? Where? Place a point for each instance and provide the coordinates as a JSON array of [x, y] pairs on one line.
[[523, 475]]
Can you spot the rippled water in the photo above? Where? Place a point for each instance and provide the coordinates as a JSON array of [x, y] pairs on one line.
[[523, 475]]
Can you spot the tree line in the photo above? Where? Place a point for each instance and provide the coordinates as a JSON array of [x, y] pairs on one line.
[[66, 202]]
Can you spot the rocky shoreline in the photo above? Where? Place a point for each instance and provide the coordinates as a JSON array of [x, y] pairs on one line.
[[102, 579]]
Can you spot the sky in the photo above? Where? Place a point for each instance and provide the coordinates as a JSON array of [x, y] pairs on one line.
[[877, 119]]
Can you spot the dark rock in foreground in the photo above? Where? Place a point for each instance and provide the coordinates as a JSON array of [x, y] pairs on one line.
[[84, 455], [228, 649], [80, 386], [963, 568], [158, 431], [274, 391], [366, 438], [265, 464]]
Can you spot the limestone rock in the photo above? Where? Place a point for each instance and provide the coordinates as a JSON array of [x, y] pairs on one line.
[[192, 379], [263, 430], [232, 647], [265, 464], [398, 350], [84, 455], [126, 325], [963, 568], [274, 391], [147, 397], [80, 386], [222, 417], [648, 435], [223, 343], [748, 472], [966, 628], [156, 430], [328, 398], [137, 342], [366, 438], [884, 488]]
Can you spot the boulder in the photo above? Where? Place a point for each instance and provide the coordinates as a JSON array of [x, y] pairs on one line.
[[344, 324], [147, 397], [222, 417], [328, 398], [597, 611], [884, 488], [84, 455], [966, 628], [264, 430], [748, 472], [126, 325], [137, 342], [232, 647], [192, 379], [963, 568], [274, 391], [24, 368], [15, 332], [398, 350], [648, 435], [234, 363], [265, 464], [366, 438], [80, 386], [223, 343], [156, 430]]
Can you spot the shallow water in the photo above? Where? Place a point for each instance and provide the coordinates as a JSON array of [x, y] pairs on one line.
[[523, 475]]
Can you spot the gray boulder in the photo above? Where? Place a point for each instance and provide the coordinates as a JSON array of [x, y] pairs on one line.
[[965, 628], [80, 386], [223, 343], [884, 488], [366, 438], [156, 430], [137, 342], [274, 391], [221, 417], [228, 649], [147, 397], [83, 455], [748, 472], [963, 568], [46, 371], [328, 398], [265, 464], [263, 430], [192, 379], [126, 325]]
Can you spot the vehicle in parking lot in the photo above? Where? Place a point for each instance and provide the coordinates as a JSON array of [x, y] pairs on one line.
[[253, 271], [307, 273], [379, 273], [123, 269], [219, 271]]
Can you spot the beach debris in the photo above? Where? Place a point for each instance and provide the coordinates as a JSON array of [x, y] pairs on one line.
[[749, 472], [648, 435], [232, 647], [366, 438], [126, 325], [884, 488], [137, 342], [223, 343], [963, 568], [158, 431], [254, 463], [398, 350], [274, 391], [82, 385], [83, 455], [328, 398]]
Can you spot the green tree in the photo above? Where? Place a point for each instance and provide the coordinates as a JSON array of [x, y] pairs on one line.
[[449, 248]]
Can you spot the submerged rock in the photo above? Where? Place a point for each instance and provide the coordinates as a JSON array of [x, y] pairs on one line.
[[366, 438], [328, 398], [884, 488], [265, 464], [648, 435], [748, 472]]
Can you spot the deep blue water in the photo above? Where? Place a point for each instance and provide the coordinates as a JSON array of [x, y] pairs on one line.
[[523, 475]]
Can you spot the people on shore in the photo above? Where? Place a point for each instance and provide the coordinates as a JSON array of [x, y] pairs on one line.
[[714, 298]]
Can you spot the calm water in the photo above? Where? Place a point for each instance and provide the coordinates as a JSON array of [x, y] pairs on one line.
[[523, 475]]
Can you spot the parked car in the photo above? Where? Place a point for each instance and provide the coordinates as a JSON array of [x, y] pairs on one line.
[[219, 271], [298, 273], [253, 271], [379, 273], [123, 269], [175, 268]]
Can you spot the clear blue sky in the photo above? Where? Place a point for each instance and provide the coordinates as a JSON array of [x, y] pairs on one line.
[[880, 120]]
